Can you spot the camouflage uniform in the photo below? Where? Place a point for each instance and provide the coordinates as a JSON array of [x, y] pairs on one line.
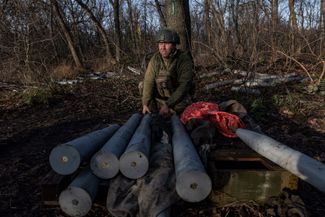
[[169, 81]]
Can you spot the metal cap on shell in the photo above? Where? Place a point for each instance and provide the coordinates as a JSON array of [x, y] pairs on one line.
[[193, 186], [134, 164], [75, 201], [64, 159], [104, 165]]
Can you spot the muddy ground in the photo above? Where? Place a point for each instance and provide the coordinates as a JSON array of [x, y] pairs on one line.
[[32, 123]]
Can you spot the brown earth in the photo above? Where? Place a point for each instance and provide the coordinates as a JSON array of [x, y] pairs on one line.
[[31, 126]]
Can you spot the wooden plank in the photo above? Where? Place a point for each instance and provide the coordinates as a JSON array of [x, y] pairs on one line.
[[240, 176]]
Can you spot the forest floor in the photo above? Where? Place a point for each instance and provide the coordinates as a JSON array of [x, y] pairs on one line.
[[33, 120]]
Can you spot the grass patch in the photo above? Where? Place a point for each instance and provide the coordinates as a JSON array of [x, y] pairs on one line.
[[292, 102], [258, 108], [37, 95], [295, 105], [66, 71]]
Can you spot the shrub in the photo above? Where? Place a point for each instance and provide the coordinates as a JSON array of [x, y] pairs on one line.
[[37, 95]]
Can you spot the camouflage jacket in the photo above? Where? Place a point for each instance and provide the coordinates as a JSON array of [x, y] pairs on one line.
[[169, 80]]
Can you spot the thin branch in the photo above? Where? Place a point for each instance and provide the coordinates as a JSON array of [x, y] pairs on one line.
[[322, 74], [296, 61]]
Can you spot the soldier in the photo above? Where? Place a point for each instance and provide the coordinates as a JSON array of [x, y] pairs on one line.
[[168, 80]]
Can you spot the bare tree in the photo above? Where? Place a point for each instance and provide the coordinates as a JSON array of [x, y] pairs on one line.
[[207, 20], [145, 14], [163, 22], [116, 8], [322, 24], [100, 29], [220, 44], [178, 18], [323, 13], [67, 34], [132, 26], [293, 25], [301, 15], [275, 15], [292, 16], [254, 57], [275, 21]]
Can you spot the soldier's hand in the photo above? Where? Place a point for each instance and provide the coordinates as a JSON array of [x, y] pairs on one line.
[[145, 109]]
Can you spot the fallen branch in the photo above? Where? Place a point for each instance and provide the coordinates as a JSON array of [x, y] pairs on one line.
[[260, 75], [208, 74], [296, 61], [218, 84], [271, 82], [322, 74], [264, 80], [134, 70], [243, 89]]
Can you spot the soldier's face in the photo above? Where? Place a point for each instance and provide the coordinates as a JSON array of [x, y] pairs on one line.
[[166, 48]]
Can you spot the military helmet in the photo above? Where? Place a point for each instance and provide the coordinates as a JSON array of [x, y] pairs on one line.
[[168, 35]]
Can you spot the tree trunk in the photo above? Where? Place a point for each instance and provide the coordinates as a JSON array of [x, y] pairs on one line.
[[237, 44], [74, 15], [301, 15], [207, 21], [55, 48], [163, 22], [67, 35], [254, 58], [292, 17], [145, 14], [116, 8], [293, 25], [220, 46], [99, 27], [178, 18], [323, 14], [275, 20], [275, 15], [133, 36], [322, 24]]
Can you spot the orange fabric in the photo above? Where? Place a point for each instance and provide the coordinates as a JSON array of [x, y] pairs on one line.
[[210, 111]]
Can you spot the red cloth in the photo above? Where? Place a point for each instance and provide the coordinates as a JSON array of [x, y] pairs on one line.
[[210, 111]]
